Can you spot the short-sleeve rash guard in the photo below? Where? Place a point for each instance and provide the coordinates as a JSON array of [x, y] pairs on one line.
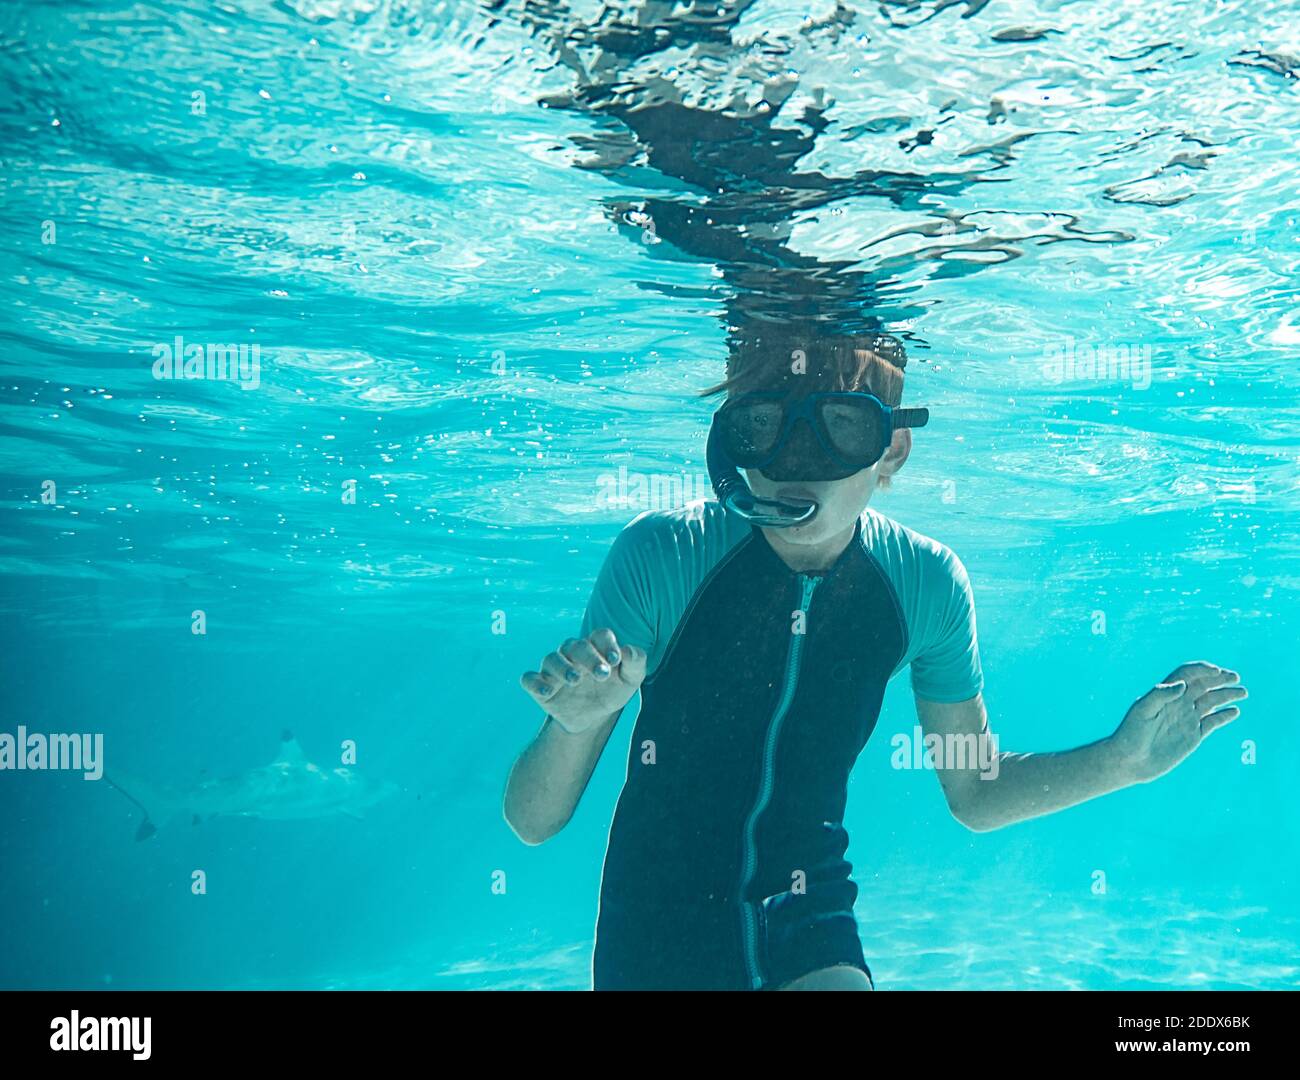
[[659, 561]]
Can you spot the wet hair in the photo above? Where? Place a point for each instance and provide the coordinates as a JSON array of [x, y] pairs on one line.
[[782, 358]]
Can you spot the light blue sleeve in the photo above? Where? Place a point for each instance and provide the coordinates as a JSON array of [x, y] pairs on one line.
[[626, 590], [946, 658], [934, 593]]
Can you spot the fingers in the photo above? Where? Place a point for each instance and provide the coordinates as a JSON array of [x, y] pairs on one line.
[[632, 669], [605, 643], [1218, 719], [1201, 675], [1214, 709], [574, 661], [628, 661], [597, 657], [1190, 670], [1211, 689], [1212, 700], [557, 672], [538, 687], [585, 659]]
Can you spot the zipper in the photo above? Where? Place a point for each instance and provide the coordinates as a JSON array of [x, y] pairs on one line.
[[749, 861]]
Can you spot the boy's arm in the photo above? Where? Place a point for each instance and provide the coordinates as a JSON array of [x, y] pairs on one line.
[[583, 686], [994, 788], [549, 777]]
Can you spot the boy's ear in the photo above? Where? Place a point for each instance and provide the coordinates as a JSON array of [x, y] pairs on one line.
[[895, 457]]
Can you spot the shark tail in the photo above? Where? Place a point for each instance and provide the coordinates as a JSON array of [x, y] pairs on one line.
[[151, 803]]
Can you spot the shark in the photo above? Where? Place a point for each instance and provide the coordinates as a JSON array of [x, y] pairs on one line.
[[290, 788]]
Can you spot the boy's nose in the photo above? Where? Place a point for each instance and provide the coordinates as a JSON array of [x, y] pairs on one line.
[[802, 458]]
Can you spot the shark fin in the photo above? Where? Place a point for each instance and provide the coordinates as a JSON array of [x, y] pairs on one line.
[[290, 751]]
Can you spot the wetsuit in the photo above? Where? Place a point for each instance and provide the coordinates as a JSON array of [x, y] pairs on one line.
[[725, 866]]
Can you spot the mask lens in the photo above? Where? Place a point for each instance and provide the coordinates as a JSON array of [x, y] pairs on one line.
[[803, 458], [855, 428], [752, 429]]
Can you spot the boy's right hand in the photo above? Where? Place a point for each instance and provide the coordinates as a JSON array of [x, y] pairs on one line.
[[586, 680]]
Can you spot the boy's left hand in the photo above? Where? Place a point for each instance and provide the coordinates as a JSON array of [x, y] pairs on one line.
[[1169, 722]]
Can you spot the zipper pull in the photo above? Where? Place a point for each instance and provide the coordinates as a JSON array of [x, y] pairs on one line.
[[810, 583]]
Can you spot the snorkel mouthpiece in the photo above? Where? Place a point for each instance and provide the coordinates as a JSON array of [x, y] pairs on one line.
[[769, 513], [735, 496]]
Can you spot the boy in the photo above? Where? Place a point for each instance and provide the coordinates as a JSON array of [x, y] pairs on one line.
[[761, 631]]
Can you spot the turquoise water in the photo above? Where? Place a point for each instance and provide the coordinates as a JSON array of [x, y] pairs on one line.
[[479, 310]]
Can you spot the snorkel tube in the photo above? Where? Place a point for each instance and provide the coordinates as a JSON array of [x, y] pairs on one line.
[[734, 494]]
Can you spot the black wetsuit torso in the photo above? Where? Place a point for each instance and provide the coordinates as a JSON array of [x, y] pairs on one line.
[[725, 867]]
